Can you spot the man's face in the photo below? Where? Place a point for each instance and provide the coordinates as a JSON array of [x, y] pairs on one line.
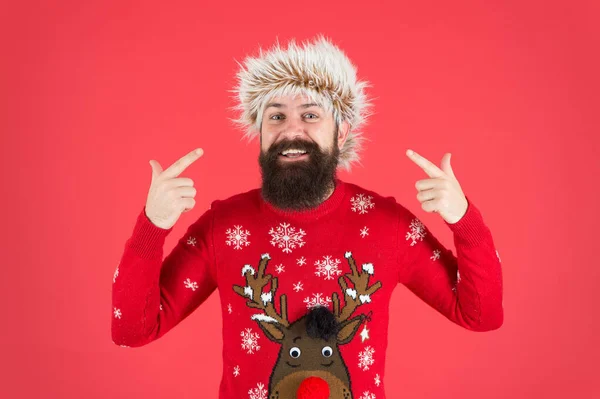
[[299, 154]]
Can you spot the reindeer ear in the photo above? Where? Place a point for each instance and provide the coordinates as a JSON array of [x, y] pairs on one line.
[[348, 329], [273, 330]]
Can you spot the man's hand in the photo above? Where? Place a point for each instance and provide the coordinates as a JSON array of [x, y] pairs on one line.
[[441, 193], [169, 195]]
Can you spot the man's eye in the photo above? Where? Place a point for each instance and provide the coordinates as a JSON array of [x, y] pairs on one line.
[[274, 116], [312, 115]]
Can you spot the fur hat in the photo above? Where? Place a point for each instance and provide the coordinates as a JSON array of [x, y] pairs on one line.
[[317, 69]]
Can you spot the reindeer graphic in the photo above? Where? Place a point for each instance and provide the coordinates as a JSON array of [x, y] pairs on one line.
[[309, 345]]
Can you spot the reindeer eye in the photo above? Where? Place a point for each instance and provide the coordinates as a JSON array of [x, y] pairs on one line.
[[295, 352], [327, 351]]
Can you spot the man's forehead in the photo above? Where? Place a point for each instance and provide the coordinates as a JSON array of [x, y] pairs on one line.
[[292, 102]]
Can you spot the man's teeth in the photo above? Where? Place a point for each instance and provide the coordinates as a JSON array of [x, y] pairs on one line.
[[293, 151]]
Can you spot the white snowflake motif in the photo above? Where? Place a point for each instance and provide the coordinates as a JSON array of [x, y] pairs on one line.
[[301, 261], [417, 231], [236, 371], [190, 284], [317, 300], [367, 395], [365, 358], [116, 274], [280, 269], [436, 254], [364, 232], [377, 380], [298, 287], [229, 308], [259, 392], [249, 341], [238, 237], [191, 241], [117, 313], [286, 237], [328, 267], [361, 203], [498, 256], [160, 306]]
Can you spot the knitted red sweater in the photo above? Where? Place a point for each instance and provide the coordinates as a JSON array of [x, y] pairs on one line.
[[271, 267]]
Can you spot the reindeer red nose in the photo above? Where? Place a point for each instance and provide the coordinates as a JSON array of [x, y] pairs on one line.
[[313, 388]]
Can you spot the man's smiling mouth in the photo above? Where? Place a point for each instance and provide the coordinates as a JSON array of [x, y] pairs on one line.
[[293, 153]]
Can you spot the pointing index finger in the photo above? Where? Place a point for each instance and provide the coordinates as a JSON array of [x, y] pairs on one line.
[[182, 163], [429, 167]]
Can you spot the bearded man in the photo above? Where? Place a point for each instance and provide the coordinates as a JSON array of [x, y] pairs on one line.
[[306, 264]]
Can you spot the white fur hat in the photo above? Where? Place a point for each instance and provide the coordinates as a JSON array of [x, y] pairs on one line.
[[319, 70]]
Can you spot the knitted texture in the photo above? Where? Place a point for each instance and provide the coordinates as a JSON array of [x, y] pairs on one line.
[[304, 294]]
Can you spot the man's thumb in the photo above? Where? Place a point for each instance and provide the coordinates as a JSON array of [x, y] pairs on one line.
[[156, 169]]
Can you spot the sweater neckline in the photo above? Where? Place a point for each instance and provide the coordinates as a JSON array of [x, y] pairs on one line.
[[325, 207]]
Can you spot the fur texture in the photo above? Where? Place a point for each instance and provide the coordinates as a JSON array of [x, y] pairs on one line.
[[317, 69]]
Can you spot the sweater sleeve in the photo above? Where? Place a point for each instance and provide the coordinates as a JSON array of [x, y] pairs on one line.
[[150, 296], [467, 288]]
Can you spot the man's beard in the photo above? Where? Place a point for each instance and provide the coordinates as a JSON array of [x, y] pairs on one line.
[[298, 185]]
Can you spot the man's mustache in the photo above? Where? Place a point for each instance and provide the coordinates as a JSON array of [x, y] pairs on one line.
[[302, 145]]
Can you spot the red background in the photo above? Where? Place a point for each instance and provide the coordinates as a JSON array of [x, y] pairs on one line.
[[90, 91]]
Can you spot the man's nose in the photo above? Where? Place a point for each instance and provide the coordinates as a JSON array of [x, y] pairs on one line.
[[293, 129]]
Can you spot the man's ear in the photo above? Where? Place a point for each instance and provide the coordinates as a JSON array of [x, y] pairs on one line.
[[343, 130]]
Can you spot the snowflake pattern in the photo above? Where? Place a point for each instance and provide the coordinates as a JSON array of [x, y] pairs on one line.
[[191, 241], [436, 254], [237, 237], [361, 203], [377, 380], [317, 300], [280, 269], [249, 341], [229, 310], [117, 313], [301, 261], [236, 371], [328, 267], [160, 306], [365, 358], [298, 287], [364, 232], [367, 395], [259, 392], [286, 237], [417, 231], [498, 256], [190, 284], [116, 274]]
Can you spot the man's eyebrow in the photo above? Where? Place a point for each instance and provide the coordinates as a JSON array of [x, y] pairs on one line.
[[278, 105]]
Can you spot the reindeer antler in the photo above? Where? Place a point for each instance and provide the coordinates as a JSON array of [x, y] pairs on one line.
[[357, 296], [256, 282]]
